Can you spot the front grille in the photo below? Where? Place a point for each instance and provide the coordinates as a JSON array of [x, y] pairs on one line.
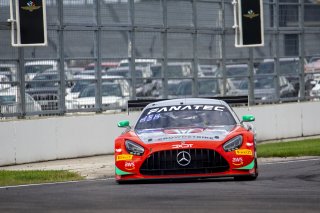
[[88, 106], [45, 97], [203, 161], [46, 106]]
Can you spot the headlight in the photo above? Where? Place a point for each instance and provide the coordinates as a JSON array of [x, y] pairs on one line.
[[233, 144], [134, 148]]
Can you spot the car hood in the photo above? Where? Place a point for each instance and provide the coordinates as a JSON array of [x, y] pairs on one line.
[[217, 133]]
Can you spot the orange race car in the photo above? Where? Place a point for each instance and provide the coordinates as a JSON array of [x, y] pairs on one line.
[[186, 138]]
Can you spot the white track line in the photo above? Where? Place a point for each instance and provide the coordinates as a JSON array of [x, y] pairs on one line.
[[55, 183], [291, 161]]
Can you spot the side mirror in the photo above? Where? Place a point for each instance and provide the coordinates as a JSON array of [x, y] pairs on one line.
[[123, 123], [247, 118]]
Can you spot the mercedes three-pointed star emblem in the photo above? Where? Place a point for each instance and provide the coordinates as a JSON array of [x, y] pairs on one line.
[[183, 158]]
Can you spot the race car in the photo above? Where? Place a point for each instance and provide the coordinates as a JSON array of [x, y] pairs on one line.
[[186, 138]]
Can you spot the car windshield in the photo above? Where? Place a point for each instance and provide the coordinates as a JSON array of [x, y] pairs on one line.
[[289, 67], [156, 71], [184, 88], [234, 71], [208, 87], [52, 76], [259, 83], [79, 86], [285, 67], [205, 87], [124, 73], [107, 90], [111, 90], [47, 80], [5, 69], [175, 71], [172, 88], [265, 68], [180, 116], [7, 99], [36, 68]]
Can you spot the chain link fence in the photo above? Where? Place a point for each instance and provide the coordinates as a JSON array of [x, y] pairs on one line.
[[102, 53]]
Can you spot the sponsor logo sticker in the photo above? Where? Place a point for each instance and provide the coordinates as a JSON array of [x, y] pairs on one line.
[[182, 145], [187, 107], [31, 6], [244, 152], [130, 165], [118, 150], [237, 161], [124, 157]]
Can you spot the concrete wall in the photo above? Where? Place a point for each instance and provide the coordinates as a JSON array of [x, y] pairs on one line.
[[25, 141], [285, 120]]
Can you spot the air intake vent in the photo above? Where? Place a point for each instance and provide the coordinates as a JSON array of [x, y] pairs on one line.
[[196, 161]]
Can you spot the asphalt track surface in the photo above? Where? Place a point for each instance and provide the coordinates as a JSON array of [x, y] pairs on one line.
[[291, 187]]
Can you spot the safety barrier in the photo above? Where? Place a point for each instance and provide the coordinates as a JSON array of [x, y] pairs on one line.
[[35, 140]]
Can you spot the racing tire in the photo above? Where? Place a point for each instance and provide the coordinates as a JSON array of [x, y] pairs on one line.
[[246, 177], [120, 182], [249, 177]]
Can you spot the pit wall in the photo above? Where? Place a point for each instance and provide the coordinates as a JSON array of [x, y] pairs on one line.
[[24, 141]]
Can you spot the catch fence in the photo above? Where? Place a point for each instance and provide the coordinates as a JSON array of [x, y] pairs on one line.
[[102, 53]]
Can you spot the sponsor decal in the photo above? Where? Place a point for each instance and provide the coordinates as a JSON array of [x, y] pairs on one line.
[[244, 152], [183, 131], [187, 107], [118, 150], [182, 145], [251, 14], [248, 167], [186, 137], [237, 161], [192, 134], [124, 157], [249, 144], [130, 166], [149, 118], [31, 6], [120, 172], [183, 158]]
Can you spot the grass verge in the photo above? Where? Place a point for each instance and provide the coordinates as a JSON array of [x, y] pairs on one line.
[[310, 147], [10, 178]]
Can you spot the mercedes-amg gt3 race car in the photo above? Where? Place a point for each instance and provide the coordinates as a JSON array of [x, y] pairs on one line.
[[186, 138]]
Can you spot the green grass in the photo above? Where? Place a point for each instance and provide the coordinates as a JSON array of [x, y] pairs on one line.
[[10, 178], [310, 147]]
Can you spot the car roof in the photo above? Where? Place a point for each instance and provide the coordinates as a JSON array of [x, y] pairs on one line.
[[8, 65], [115, 77], [9, 91], [45, 62], [109, 63], [185, 101], [281, 59], [127, 69], [237, 65], [140, 60]]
